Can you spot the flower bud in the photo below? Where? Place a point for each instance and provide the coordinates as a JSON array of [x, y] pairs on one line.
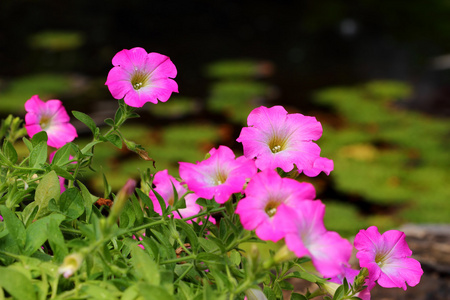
[[255, 294], [70, 264], [120, 201]]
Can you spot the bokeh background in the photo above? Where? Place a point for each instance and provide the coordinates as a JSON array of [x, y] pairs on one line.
[[375, 74]]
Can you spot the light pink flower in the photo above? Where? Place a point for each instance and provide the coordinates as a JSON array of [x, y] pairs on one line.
[[141, 77], [279, 140], [306, 235], [219, 176], [350, 274], [386, 256], [265, 194], [51, 117], [321, 164], [163, 182]]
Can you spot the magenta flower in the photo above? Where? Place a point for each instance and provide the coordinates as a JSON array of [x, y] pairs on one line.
[[141, 77], [279, 140], [321, 164], [219, 176], [386, 256], [265, 194], [306, 235], [51, 117], [163, 182]]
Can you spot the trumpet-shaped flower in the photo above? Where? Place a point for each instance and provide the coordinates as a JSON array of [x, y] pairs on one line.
[[51, 117], [265, 194], [164, 187], [386, 256], [139, 77], [279, 140], [219, 176], [306, 235]]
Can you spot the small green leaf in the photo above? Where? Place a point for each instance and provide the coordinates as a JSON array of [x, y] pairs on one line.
[[109, 122], [38, 155], [297, 296], [88, 200], [56, 240], [37, 232], [210, 258], [339, 293], [62, 172], [235, 257], [47, 189], [17, 284], [151, 292], [14, 226], [27, 143], [9, 152], [38, 138], [190, 233], [85, 119], [71, 203], [62, 155], [145, 267], [115, 140]]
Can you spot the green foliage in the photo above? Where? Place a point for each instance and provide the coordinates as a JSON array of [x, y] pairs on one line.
[[389, 157]]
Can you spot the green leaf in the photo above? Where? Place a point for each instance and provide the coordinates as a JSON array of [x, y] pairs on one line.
[[37, 233], [56, 240], [339, 293], [88, 200], [210, 258], [27, 143], [235, 257], [145, 267], [16, 284], [62, 172], [109, 122], [62, 155], [150, 292], [84, 118], [14, 226], [71, 203], [161, 201], [297, 296], [145, 198], [115, 140], [38, 138], [9, 152], [38, 155], [47, 189], [190, 233]]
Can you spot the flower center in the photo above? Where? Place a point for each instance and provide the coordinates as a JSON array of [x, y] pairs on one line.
[[380, 258], [277, 144], [271, 208], [171, 201], [139, 79], [45, 122], [220, 178]]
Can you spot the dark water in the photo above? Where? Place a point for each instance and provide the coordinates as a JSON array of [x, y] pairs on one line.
[[312, 44]]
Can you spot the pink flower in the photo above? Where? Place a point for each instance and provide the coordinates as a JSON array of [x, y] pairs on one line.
[[265, 194], [321, 164], [279, 140], [306, 235], [51, 117], [386, 256], [141, 77], [163, 182], [219, 176]]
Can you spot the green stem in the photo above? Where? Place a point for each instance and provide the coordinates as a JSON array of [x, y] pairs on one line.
[[184, 274], [176, 260]]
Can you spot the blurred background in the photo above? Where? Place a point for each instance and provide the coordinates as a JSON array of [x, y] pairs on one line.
[[375, 74]]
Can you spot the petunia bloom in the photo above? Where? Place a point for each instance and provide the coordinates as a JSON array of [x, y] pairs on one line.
[[265, 194], [387, 257], [164, 187], [140, 77], [306, 235], [279, 140], [219, 176], [51, 117]]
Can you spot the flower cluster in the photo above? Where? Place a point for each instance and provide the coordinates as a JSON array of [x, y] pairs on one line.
[[266, 201]]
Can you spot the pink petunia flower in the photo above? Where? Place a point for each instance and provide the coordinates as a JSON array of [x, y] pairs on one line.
[[386, 256], [219, 176], [265, 194], [141, 77], [279, 140], [50, 117], [306, 235], [163, 182]]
